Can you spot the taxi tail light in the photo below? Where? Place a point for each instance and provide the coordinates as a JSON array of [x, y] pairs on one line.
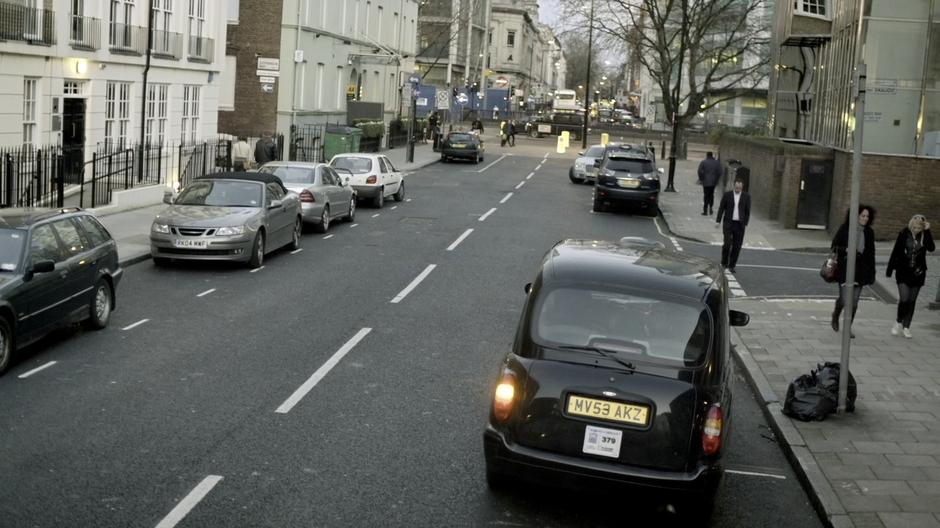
[[505, 396], [711, 433], [307, 196], [372, 179]]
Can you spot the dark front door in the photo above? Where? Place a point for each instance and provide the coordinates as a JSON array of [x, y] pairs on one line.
[[73, 139], [815, 189]]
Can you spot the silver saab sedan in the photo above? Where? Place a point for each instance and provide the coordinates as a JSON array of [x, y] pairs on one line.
[[325, 194], [235, 216]]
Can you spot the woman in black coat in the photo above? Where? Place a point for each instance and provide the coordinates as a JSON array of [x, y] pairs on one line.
[[864, 259], [909, 259]]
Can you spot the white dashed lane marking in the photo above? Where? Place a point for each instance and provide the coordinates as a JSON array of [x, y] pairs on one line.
[[35, 370], [189, 502], [135, 325], [459, 239], [414, 284], [207, 292], [506, 198], [487, 214]]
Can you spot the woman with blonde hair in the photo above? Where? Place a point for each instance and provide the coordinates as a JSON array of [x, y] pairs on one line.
[[909, 259]]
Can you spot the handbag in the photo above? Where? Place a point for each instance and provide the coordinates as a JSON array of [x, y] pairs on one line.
[[829, 267]]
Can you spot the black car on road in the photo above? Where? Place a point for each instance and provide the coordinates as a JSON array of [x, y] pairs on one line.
[[462, 145], [57, 267], [620, 376], [627, 173]]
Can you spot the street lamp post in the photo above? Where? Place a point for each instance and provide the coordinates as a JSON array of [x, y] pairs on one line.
[[670, 184], [587, 82], [143, 106]]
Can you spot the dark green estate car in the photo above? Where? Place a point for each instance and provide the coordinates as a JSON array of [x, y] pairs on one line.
[[57, 267]]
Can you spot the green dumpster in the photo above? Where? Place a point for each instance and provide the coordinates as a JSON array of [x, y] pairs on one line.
[[340, 139]]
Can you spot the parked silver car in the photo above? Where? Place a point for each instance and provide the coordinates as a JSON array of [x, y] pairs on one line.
[[237, 216], [325, 192], [583, 168]]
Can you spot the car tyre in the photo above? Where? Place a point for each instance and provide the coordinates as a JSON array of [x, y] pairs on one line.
[[599, 206], [573, 178], [652, 210], [99, 308], [379, 199], [352, 210], [400, 193], [324, 224], [295, 236], [6, 344], [257, 252]]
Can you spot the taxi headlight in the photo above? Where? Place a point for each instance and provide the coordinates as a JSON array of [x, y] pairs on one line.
[[229, 231]]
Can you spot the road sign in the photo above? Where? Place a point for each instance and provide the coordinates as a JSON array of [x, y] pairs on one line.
[[443, 100], [267, 80], [462, 99], [267, 88], [269, 64], [414, 79], [421, 101], [268, 73]]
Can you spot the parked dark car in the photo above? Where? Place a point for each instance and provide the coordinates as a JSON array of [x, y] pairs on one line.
[[627, 173], [462, 145], [57, 267], [620, 377]]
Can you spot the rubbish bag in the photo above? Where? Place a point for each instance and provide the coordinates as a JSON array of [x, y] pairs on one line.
[[808, 401], [828, 377]]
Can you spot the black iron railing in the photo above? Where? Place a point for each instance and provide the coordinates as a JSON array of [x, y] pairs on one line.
[[201, 49], [31, 176], [84, 32], [26, 24], [306, 143]]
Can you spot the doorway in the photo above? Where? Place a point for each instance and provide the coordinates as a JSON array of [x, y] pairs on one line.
[[73, 140], [812, 211]]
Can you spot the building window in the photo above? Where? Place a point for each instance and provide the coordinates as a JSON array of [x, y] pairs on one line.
[[155, 129], [73, 88], [233, 11], [319, 83], [30, 87], [380, 22], [189, 132], [197, 17], [162, 19], [368, 16], [33, 20], [511, 39], [811, 7], [117, 114], [340, 93], [122, 20]]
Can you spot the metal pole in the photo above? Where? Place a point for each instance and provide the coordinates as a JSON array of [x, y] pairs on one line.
[[852, 250], [143, 98], [670, 187], [410, 151], [587, 82]]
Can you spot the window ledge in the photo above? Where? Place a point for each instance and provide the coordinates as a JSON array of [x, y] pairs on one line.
[[827, 18]]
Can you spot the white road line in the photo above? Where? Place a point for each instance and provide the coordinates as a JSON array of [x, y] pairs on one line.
[[656, 221], [35, 370], [777, 267], [546, 156], [520, 185], [535, 169], [256, 270], [207, 292], [459, 239], [491, 164], [755, 474], [298, 250], [487, 214], [327, 237], [408, 199], [376, 214], [354, 225], [321, 372], [506, 198], [394, 207], [738, 292], [135, 325], [529, 177], [414, 284], [189, 502], [675, 243]]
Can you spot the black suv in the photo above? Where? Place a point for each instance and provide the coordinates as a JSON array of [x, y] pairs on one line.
[[57, 267], [627, 173]]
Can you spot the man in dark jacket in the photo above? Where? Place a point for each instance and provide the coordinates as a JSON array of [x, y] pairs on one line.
[[709, 172], [265, 150], [735, 209]]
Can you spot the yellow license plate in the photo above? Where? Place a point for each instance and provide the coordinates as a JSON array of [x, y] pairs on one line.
[[608, 410], [459, 146], [628, 183]]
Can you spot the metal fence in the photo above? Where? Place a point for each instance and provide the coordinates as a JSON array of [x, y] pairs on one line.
[[306, 143], [27, 24], [32, 177]]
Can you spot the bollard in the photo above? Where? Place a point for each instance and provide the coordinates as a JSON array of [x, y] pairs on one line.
[[566, 137], [663, 151], [560, 146], [605, 138]]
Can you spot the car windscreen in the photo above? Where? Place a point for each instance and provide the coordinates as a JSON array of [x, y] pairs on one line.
[[222, 193], [595, 152], [292, 174], [353, 165], [460, 138], [627, 325], [630, 165], [11, 248]]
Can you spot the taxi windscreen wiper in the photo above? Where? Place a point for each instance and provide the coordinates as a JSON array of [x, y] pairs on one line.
[[609, 354]]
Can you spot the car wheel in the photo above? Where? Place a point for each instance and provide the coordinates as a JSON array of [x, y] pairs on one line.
[[99, 309], [400, 194], [161, 262], [324, 224], [533, 133], [379, 199], [599, 206], [352, 210], [257, 252], [652, 210], [6, 344], [573, 178], [295, 236]]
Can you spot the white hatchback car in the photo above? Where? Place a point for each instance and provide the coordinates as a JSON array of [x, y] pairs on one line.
[[373, 176]]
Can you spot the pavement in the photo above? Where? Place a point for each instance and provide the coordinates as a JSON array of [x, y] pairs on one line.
[[876, 467]]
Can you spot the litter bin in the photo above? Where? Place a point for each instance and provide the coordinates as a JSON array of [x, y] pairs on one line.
[[340, 139]]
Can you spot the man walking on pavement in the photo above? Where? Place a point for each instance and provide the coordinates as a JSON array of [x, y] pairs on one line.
[[735, 209], [709, 172], [265, 150]]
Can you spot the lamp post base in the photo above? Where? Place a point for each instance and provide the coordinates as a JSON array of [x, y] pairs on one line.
[[670, 187]]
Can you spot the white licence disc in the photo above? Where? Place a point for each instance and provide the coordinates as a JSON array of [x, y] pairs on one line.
[[603, 442]]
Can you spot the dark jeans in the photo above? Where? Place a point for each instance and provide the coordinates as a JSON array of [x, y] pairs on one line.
[[907, 302], [734, 238], [512, 139], [709, 198], [840, 301]]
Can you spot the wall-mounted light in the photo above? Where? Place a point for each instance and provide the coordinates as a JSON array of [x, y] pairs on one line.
[[81, 66]]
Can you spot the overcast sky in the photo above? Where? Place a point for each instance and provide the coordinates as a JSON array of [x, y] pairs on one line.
[[548, 11]]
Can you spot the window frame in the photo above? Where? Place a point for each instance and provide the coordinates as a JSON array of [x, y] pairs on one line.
[[63, 244], [30, 261], [804, 8], [30, 111]]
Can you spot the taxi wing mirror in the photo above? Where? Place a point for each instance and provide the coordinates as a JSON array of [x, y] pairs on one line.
[[528, 288], [737, 318]]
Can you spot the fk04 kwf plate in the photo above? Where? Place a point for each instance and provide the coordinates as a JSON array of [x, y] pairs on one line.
[[191, 244], [627, 413]]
